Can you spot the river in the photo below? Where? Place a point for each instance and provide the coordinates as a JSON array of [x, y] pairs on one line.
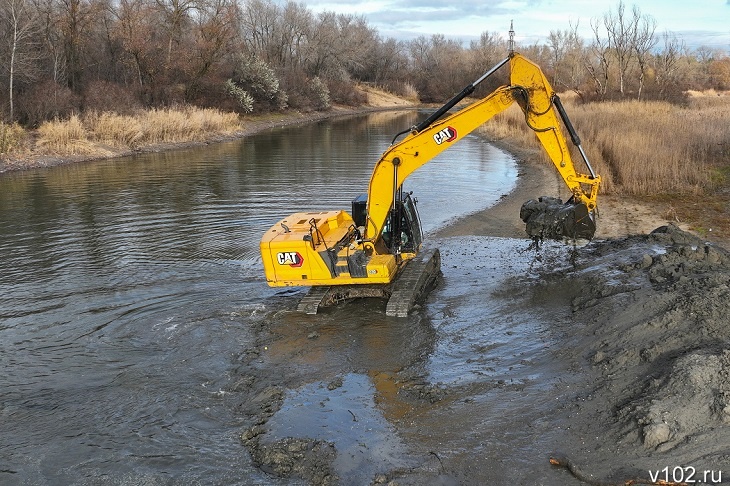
[[134, 313]]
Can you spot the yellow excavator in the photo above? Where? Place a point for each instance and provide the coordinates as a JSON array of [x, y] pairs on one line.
[[377, 250]]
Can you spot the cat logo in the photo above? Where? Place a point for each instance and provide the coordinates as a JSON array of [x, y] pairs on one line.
[[448, 134], [291, 258]]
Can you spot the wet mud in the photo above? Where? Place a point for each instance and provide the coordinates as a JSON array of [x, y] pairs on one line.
[[445, 396], [613, 356], [650, 318]]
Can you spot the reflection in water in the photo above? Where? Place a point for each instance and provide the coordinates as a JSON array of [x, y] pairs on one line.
[[345, 414], [119, 280]]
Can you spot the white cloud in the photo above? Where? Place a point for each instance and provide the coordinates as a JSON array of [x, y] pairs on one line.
[[533, 19]]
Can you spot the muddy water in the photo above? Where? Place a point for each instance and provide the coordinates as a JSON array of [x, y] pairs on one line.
[[139, 341]]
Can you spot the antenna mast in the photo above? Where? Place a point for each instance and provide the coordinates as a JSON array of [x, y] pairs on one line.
[[511, 38]]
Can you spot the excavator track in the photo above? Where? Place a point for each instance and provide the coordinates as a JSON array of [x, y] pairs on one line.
[[411, 286], [310, 303], [319, 297]]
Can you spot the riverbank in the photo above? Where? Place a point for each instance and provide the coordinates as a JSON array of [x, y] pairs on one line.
[[618, 216], [249, 126]]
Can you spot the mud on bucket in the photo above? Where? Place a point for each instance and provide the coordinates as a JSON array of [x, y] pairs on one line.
[[551, 218]]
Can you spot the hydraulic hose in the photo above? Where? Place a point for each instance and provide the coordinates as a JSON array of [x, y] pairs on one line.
[[452, 102]]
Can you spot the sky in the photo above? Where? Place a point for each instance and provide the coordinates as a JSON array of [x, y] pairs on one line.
[[696, 22]]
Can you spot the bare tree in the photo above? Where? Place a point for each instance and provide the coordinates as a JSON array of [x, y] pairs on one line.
[[20, 19], [644, 42], [135, 30], [176, 14], [621, 32], [294, 34], [667, 61], [566, 52], [597, 60], [719, 73], [391, 62], [440, 67], [490, 49], [215, 33], [259, 19]]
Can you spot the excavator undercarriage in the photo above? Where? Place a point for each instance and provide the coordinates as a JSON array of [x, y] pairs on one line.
[[408, 289]]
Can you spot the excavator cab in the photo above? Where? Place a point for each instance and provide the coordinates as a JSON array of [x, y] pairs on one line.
[[402, 228]]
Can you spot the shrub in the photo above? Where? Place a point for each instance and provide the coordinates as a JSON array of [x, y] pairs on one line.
[[103, 96], [46, 101], [346, 92], [255, 78], [403, 89], [320, 94], [243, 99]]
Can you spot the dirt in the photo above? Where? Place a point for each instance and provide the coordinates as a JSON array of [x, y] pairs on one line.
[[649, 329]]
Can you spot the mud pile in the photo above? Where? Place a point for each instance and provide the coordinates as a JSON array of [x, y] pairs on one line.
[[614, 355], [650, 317]]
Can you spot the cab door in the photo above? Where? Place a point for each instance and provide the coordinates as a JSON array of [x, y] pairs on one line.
[[411, 234]]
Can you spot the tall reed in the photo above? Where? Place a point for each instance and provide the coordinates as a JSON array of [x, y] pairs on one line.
[[96, 133], [64, 137], [113, 129], [12, 137], [641, 148]]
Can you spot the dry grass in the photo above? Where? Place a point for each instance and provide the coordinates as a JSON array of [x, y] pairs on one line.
[[12, 138], [169, 126], [96, 132], [115, 130], [644, 148], [64, 137]]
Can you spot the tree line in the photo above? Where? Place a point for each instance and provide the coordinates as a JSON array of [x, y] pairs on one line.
[[59, 57]]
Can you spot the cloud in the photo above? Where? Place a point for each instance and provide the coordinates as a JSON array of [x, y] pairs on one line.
[[407, 12]]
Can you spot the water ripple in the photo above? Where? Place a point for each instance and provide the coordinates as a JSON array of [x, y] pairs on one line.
[[127, 285]]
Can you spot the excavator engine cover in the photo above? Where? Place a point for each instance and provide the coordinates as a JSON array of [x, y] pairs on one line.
[[551, 218]]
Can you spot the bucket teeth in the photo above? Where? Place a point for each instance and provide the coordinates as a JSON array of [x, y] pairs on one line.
[[551, 218]]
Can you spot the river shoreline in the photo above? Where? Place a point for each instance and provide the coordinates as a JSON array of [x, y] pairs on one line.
[[618, 216], [252, 126]]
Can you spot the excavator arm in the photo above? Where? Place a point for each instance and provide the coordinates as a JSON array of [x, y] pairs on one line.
[[531, 91]]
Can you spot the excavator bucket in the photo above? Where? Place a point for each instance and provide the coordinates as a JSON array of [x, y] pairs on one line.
[[551, 218]]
